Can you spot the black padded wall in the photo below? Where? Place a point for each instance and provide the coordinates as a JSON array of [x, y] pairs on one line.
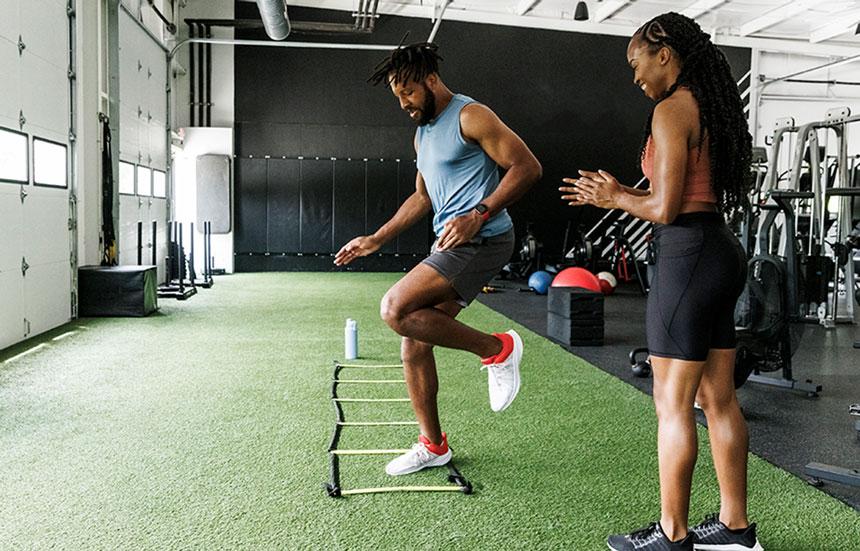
[[292, 214], [351, 198], [283, 201], [251, 205], [570, 96], [382, 197]]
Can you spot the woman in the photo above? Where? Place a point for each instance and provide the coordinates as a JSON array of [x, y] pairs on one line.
[[696, 154]]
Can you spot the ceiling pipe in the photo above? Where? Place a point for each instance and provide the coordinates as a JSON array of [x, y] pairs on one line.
[[373, 15], [240, 42], [297, 27], [357, 24], [438, 21], [363, 17]]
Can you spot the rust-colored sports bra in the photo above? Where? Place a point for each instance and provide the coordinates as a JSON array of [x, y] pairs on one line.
[[697, 184]]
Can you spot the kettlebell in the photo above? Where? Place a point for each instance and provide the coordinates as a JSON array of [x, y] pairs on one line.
[[640, 368]]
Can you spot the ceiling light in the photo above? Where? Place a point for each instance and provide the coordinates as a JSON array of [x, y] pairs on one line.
[[581, 13]]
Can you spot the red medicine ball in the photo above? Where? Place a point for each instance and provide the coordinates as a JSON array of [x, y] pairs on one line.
[[577, 277]]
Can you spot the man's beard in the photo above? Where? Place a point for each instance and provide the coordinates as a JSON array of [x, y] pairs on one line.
[[428, 110]]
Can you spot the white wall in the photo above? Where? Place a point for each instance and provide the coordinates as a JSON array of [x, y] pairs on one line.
[[201, 141]]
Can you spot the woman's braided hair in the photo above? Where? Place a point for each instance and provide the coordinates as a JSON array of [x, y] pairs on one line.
[[706, 73]]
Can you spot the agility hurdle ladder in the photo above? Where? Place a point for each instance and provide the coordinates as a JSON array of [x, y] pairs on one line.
[[333, 487]]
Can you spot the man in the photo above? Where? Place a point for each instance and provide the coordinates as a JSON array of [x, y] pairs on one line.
[[460, 146]]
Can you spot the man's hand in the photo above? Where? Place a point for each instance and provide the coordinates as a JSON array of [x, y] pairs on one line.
[[360, 246], [459, 230]]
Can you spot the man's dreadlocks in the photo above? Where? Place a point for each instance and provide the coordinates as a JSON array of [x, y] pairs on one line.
[[414, 62]]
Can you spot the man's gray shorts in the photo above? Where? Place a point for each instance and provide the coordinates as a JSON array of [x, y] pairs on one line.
[[472, 265]]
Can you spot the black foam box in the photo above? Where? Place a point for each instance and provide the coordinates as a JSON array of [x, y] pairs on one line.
[[574, 332], [123, 291], [575, 316], [575, 302]]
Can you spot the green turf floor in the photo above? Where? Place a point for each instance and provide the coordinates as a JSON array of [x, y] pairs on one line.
[[206, 426]]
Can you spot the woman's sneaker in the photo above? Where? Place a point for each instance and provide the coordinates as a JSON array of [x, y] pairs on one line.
[[713, 535], [649, 539], [421, 456]]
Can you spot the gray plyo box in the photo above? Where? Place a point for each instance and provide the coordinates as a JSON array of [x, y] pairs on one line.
[[214, 192]]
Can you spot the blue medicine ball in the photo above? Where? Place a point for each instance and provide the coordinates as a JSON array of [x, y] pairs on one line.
[[539, 281]]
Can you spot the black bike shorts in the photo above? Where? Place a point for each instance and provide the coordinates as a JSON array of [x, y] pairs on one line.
[[700, 272]]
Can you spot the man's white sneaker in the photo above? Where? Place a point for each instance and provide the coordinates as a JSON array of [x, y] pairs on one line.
[[504, 377], [419, 457]]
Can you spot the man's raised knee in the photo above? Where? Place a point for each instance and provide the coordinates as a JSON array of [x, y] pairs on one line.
[[391, 312]]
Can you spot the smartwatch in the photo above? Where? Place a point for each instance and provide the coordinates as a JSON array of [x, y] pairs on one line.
[[483, 210]]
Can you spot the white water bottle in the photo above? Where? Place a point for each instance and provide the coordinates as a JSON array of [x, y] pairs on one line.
[[350, 335]]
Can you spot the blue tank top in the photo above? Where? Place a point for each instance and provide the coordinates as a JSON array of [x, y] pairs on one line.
[[458, 174]]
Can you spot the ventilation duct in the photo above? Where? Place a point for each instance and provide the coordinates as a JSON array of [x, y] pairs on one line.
[[275, 19]]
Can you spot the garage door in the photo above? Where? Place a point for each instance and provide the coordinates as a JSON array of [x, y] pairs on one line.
[[35, 270], [143, 68]]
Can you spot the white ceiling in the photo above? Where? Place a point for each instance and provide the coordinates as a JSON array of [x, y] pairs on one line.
[[807, 26]]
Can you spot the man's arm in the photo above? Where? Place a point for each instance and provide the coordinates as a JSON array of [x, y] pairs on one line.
[[481, 126], [413, 209]]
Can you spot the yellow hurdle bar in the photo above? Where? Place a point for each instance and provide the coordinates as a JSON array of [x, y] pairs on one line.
[[370, 399], [368, 381], [375, 423], [382, 366], [367, 452], [401, 489]]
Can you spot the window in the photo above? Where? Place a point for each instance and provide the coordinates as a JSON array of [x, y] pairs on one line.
[[50, 164], [126, 178], [159, 184], [144, 181], [14, 165]]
